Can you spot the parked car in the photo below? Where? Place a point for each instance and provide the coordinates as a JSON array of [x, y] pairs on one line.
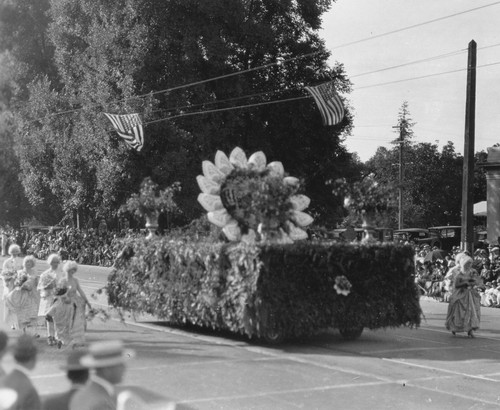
[[380, 234], [450, 235], [419, 236]]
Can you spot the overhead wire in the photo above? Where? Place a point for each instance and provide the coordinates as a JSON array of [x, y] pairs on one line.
[[304, 97], [284, 61]]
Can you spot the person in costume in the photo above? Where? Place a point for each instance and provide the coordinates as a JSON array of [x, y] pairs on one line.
[[9, 273], [464, 308], [24, 298], [46, 288], [68, 309]]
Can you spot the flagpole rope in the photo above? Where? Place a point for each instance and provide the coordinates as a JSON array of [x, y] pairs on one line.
[[278, 62]]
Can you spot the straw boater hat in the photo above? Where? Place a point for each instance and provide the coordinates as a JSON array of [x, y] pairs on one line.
[[105, 354]]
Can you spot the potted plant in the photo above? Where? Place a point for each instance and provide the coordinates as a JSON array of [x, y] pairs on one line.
[[150, 202], [366, 199]]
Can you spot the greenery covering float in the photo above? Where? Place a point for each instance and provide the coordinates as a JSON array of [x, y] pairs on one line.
[[272, 292], [262, 283], [252, 200]]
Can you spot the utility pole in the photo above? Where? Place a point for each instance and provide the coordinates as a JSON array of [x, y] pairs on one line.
[[402, 131], [468, 167]]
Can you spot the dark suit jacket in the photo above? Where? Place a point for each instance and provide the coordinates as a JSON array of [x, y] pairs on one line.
[[92, 397], [27, 396], [59, 401]]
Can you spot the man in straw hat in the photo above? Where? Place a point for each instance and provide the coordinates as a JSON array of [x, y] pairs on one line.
[[25, 356], [76, 374], [108, 359]]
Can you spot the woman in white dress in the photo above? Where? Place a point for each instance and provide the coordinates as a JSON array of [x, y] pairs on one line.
[[9, 273], [46, 288], [24, 298]]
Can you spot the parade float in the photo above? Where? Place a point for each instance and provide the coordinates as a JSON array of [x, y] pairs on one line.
[[267, 279]]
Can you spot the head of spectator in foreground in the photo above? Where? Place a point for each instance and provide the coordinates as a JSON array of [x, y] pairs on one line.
[[77, 373], [54, 260], [70, 267], [25, 351], [29, 262], [108, 358], [4, 340], [14, 250]]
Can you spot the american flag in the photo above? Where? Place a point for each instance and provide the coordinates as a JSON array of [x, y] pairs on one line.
[[129, 127], [329, 103]]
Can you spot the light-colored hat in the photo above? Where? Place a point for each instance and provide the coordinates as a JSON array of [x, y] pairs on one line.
[[7, 398], [106, 354]]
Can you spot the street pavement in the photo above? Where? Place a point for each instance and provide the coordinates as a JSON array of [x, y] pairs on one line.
[[401, 368]]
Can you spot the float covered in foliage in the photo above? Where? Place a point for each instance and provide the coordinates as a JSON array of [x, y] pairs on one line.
[[275, 292]]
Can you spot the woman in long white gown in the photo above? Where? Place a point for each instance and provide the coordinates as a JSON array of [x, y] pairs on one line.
[[9, 272]]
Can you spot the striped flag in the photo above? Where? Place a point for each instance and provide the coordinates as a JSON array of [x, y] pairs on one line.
[[329, 103], [129, 127]]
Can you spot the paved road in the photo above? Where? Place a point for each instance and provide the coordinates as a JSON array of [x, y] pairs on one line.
[[424, 368]]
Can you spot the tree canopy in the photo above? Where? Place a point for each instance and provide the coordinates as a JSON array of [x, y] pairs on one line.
[[82, 58]]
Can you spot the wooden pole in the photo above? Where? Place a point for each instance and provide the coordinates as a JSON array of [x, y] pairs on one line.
[[468, 167], [401, 174]]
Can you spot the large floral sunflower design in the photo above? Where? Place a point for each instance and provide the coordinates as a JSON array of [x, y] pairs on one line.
[[252, 200]]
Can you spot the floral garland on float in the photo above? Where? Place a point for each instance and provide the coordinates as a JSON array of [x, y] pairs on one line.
[[252, 200]]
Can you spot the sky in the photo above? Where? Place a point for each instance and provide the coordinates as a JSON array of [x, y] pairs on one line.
[[436, 103]]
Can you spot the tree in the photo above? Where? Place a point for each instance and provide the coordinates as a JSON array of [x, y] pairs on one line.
[[116, 56]]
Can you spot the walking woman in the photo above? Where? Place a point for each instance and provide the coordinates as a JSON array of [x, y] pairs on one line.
[[464, 312], [68, 310], [46, 287], [24, 298], [9, 273]]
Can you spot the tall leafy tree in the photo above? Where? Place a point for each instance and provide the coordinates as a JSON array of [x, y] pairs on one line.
[[119, 56]]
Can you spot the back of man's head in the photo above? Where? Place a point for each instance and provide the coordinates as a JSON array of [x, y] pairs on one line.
[[4, 340], [25, 350]]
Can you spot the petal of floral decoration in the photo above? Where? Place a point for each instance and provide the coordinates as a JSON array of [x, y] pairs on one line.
[[222, 162], [211, 172], [258, 160], [232, 232], [220, 218], [250, 237], [291, 181], [238, 157], [300, 202], [210, 202], [296, 234], [285, 238], [276, 168], [301, 218], [208, 186]]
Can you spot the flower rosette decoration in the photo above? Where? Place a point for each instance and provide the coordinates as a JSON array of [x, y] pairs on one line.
[[342, 285], [251, 199]]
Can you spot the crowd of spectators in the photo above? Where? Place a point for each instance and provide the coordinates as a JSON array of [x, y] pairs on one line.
[[84, 246], [432, 268]]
